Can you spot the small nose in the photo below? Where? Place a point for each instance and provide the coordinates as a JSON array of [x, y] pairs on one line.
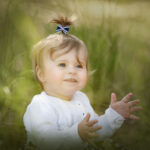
[[71, 70]]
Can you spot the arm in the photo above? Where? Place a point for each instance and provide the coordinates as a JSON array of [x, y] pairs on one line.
[[43, 131], [89, 130], [115, 115], [110, 121]]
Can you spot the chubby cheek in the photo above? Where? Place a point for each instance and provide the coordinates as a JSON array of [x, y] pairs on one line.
[[83, 79], [55, 76], [58, 75]]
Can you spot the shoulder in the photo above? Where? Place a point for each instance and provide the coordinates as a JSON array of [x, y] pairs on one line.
[[35, 102], [39, 110], [34, 106], [41, 100], [40, 105]]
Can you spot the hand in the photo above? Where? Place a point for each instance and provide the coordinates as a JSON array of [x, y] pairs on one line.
[[87, 130], [124, 107]]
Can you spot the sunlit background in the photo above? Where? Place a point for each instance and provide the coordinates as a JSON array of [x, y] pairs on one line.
[[117, 35]]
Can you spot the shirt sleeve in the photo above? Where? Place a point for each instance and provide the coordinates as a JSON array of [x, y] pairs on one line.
[[110, 121], [43, 131]]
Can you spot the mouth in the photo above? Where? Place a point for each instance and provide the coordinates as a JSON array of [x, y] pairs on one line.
[[70, 80]]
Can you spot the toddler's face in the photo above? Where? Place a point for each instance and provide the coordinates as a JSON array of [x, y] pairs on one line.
[[64, 75]]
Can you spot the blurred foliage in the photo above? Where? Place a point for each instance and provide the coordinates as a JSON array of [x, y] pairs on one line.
[[117, 36]]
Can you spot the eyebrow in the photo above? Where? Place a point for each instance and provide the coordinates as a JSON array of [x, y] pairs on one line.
[[63, 60], [58, 60]]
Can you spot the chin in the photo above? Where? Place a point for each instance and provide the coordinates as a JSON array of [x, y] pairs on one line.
[[70, 93]]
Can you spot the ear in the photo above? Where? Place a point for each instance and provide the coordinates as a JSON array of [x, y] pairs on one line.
[[40, 74]]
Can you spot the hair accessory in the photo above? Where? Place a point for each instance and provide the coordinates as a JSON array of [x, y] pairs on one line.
[[63, 29]]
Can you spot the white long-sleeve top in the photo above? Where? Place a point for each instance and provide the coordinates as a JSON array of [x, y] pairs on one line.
[[52, 123]]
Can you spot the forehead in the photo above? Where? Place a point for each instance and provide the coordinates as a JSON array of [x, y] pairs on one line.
[[69, 45], [78, 54], [71, 55]]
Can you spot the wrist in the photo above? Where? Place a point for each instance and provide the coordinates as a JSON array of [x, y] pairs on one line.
[[114, 108], [80, 134], [115, 119]]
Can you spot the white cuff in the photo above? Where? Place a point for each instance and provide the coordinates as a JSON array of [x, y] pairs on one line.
[[114, 118]]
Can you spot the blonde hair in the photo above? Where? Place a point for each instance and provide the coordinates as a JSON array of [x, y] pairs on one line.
[[54, 43]]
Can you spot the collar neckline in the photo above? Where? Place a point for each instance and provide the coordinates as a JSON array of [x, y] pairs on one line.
[[60, 99]]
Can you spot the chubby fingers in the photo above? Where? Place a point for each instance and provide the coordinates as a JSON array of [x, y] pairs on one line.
[[113, 98], [132, 103], [87, 117], [134, 117], [126, 98], [92, 135], [93, 129], [92, 122], [134, 109]]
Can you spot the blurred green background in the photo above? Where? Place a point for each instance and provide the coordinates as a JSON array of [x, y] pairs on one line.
[[117, 35]]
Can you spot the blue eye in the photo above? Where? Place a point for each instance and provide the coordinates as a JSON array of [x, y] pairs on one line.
[[79, 66], [62, 65]]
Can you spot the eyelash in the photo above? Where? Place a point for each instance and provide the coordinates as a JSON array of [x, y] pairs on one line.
[[64, 65], [79, 66]]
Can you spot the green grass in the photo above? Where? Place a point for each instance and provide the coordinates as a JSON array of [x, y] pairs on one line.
[[118, 45]]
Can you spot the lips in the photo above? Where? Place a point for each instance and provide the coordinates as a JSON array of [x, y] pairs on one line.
[[70, 80]]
